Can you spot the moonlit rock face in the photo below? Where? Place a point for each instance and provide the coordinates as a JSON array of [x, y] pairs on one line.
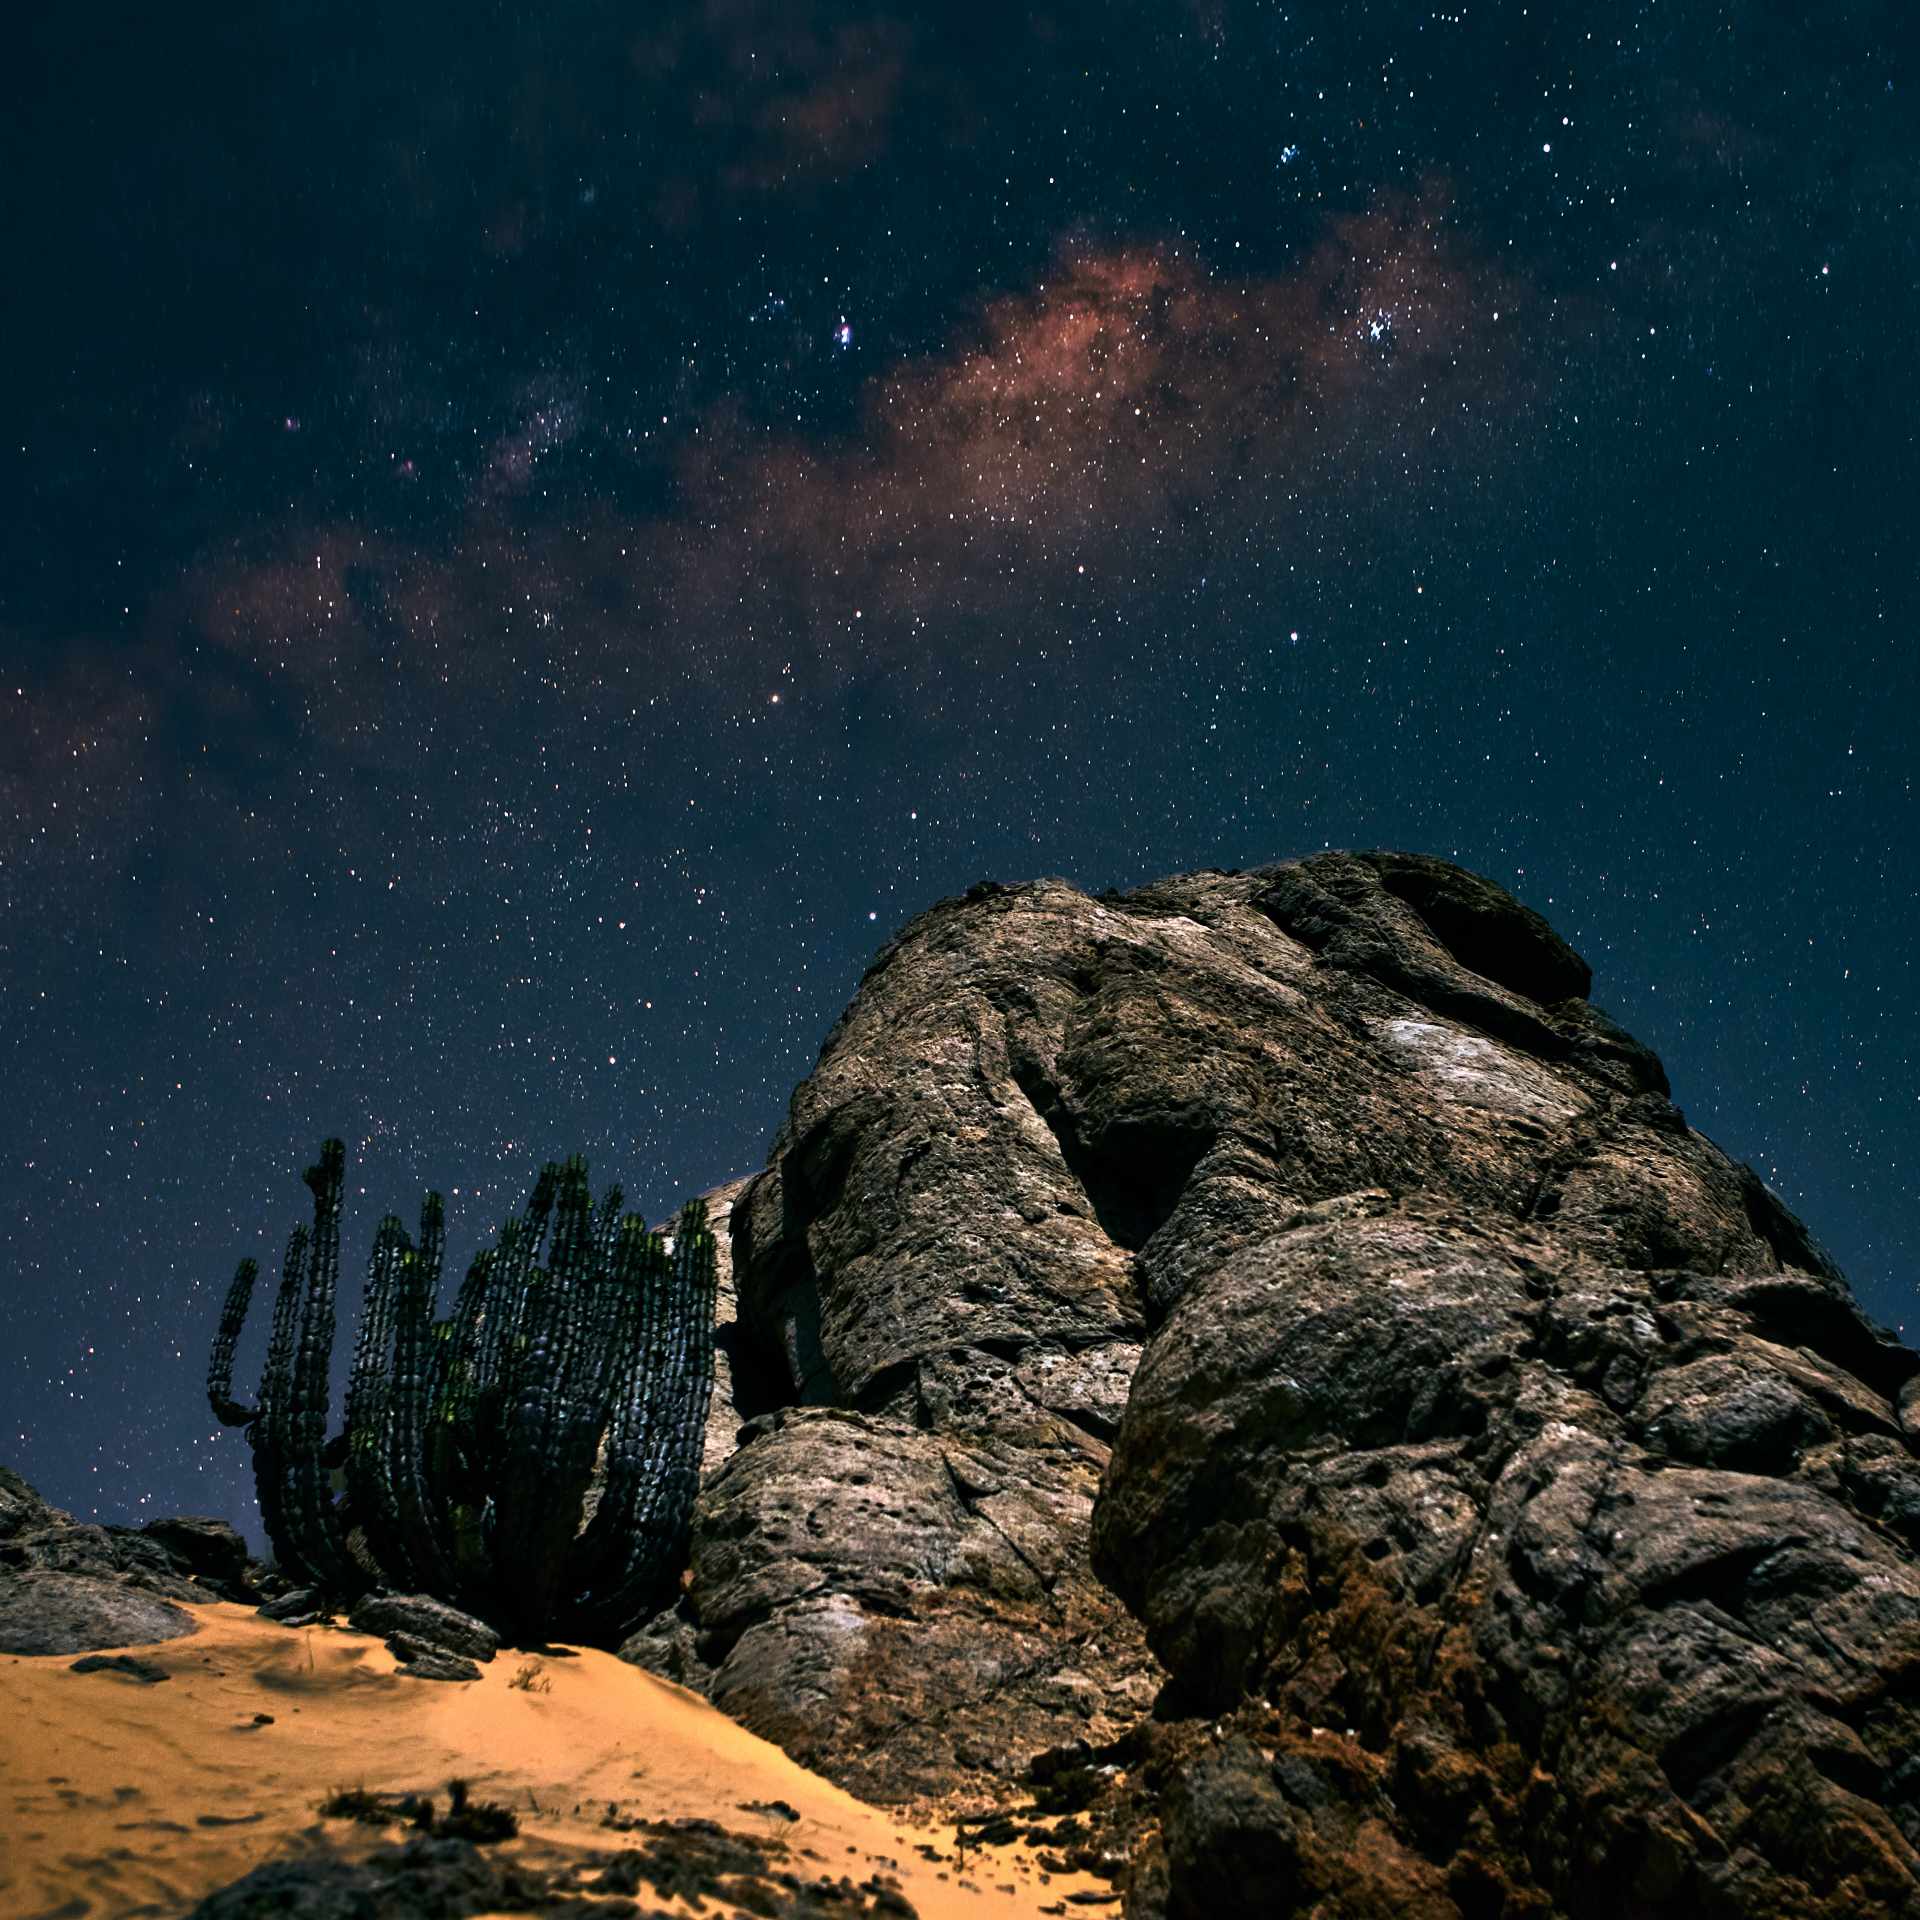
[[1502, 1478], [1478, 1072]]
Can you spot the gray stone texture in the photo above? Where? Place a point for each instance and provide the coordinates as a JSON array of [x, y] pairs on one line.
[[1499, 1472], [426, 1621], [46, 1613], [70, 1587]]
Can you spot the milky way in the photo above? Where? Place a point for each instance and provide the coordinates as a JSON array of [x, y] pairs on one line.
[[533, 544]]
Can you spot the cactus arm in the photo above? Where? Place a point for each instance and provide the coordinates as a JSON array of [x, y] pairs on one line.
[[268, 1433], [369, 1396], [421, 1550], [538, 1501], [310, 1517], [233, 1316]]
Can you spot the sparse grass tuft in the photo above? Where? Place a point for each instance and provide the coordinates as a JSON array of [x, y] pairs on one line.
[[378, 1810], [481, 1821]]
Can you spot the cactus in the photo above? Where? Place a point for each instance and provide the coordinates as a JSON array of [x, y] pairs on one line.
[[469, 1442]]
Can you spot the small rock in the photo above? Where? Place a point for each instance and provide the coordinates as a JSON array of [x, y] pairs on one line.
[[435, 1663], [143, 1670], [299, 1608], [774, 1809], [669, 1645], [424, 1619], [408, 1646]]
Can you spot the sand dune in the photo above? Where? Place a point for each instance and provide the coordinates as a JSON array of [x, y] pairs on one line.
[[119, 1797]]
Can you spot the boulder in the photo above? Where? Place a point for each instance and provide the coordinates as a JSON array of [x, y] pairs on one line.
[[297, 1607], [180, 1558], [209, 1551], [422, 1618], [419, 1661], [43, 1613], [1556, 1479]]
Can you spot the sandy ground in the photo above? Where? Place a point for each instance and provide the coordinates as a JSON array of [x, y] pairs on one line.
[[119, 1797]]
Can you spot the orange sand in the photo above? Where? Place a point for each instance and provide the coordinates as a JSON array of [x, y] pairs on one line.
[[105, 1781]]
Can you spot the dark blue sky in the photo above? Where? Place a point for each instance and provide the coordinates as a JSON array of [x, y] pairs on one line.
[[535, 537]]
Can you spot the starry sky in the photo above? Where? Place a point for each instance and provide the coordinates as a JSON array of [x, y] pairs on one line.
[[533, 537]]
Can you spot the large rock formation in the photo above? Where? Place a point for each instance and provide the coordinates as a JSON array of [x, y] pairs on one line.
[[1522, 1515], [933, 1342]]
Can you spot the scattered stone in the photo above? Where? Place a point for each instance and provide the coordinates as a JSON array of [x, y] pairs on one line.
[[425, 1620], [774, 1809], [436, 1663], [134, 1668], [300, 1607]]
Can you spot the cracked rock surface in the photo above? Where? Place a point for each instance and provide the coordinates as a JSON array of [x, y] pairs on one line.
[[1520, 1514], [1530, 1453]]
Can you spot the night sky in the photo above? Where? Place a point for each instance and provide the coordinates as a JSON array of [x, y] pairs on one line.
[[533, 538]]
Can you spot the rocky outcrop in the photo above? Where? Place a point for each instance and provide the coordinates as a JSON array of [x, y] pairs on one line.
[[724, 1413], [1522, 1516], [209, 1551], [935, 1333], [68, 1587], [70, 1613], [1532, 1504]]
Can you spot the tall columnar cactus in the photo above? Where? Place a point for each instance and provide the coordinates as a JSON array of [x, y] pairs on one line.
[[661, 1391], [470, 1442]]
